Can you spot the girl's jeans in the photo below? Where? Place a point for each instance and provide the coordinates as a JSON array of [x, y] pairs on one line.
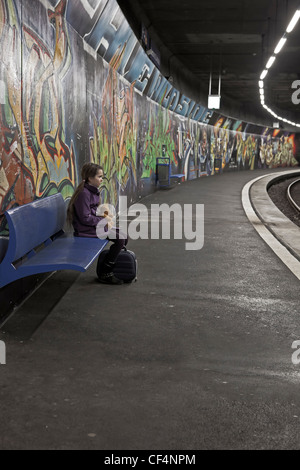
[[118, 243]]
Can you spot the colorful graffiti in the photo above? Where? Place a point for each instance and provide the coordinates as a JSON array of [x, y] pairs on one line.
[[35, 160], [74, 91], [113, 143]]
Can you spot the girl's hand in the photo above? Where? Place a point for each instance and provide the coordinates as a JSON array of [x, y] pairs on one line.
[[107, 211]]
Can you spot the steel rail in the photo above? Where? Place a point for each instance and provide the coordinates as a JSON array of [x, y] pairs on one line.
[[289, 195]]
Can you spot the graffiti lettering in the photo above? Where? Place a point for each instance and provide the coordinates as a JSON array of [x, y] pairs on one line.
[[64, 107], [90, 9]]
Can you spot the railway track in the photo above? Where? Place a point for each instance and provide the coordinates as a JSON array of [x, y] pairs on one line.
[[283, 192], [293, 194]]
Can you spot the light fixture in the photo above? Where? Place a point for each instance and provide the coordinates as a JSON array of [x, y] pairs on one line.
[[214, 101], [263, 74], [293, 21], [280, 45], [270, 62]]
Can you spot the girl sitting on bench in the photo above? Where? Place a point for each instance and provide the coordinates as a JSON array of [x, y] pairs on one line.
[[82, 212]]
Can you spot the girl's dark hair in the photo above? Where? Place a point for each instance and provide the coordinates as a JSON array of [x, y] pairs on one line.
[[89, 170]]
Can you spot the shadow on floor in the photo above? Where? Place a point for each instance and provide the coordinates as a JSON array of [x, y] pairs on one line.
[[25, 320]]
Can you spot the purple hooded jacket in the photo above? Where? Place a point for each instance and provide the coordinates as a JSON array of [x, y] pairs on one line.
[[85, 206]]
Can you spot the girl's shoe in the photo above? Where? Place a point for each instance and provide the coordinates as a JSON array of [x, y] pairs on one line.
[[110, 278]]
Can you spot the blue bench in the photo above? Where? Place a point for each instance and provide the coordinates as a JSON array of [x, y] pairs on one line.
[[177, 175], [163, 172], [38, 243]]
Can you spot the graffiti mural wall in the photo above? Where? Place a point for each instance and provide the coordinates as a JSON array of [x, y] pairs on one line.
[[36, 158], [76, 86]]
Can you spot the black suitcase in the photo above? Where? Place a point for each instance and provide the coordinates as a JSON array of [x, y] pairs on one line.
[[125, 267]]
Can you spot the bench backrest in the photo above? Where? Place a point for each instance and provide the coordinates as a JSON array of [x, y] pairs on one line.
[[34, 223]]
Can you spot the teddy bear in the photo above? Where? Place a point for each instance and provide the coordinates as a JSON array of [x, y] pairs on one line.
[[107, 211]]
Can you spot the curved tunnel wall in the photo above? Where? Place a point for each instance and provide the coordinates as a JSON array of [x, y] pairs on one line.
[[77, 86]]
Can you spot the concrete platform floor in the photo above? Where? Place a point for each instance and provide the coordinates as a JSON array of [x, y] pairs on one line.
[[195, 355]]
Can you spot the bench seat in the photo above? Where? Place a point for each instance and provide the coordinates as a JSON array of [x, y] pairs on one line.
[[163, 172], [38, 244], [179, 175], [66, 252]]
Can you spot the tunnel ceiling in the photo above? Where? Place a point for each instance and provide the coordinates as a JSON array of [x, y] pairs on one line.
[[236, 36]]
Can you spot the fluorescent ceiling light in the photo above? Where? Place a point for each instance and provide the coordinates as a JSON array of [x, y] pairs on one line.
[[270, 62], [293, 21], [263, 75], [279, 45], [214, 101]]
